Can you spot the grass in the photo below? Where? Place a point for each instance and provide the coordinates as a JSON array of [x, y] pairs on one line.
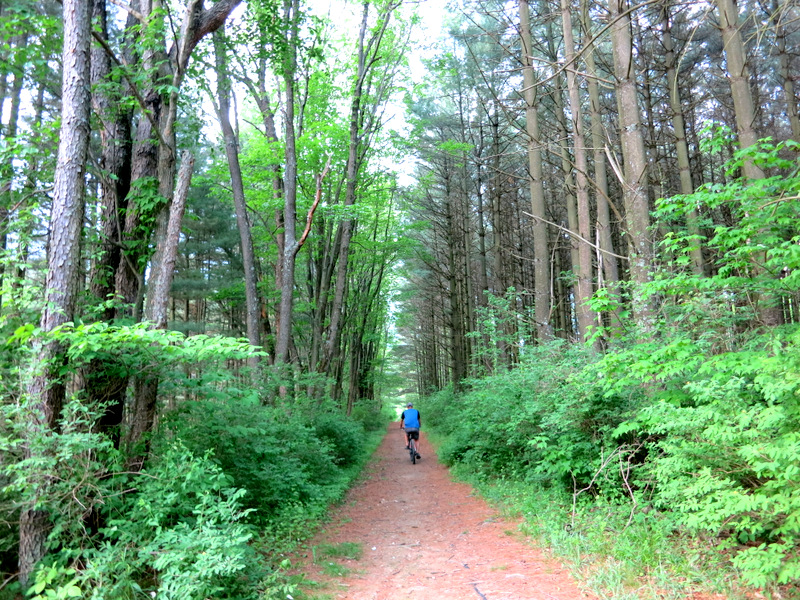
[[346, 550]]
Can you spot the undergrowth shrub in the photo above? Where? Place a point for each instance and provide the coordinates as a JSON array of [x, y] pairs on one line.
[[228, 486], [183, 530], [277, 458], [725, 459], [544, 421], [344, 437]]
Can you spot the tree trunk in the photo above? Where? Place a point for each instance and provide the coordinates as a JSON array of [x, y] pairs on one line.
[[682, 148], [608, 269], [739, 80], [6, 170], [252, 311], [584, 288], [568, 185], [637, 211], [787, 81], [768, 306], [288, 258], [115, 162], [542, 301], [66, 223], [157, 307]]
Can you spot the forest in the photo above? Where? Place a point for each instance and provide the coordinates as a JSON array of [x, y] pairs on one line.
[[236, 234]]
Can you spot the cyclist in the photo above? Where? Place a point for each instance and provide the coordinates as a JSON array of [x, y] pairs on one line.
[[411, 421]]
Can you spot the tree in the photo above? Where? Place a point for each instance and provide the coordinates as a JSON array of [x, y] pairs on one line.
[[634, 180], [584, 287], [45, 391], [739, 81], [242, 220], [540, 234], [370, 91]]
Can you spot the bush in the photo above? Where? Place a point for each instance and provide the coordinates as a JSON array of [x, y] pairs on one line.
[[371, 417], [181, 535], [277, 458], [344, 436]]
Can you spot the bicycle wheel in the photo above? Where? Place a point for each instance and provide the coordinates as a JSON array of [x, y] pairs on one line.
[[412, 450]]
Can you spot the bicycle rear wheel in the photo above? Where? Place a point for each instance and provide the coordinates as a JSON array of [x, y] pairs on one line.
[[412, 450]]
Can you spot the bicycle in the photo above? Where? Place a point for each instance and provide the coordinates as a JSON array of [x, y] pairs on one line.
[[412, 449]]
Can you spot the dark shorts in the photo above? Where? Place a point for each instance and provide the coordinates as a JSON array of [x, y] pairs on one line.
[[412, 433]]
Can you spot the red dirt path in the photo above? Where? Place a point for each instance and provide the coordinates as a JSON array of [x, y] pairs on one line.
[[427, 537]]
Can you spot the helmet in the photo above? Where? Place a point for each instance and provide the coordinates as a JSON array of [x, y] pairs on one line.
[[410, 404]]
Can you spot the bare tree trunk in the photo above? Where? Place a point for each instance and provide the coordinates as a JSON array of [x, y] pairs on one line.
[[768, 306], [637, 212], [115, 161], [6, 170], [682, 148], [66, 223], [157, 307], [288, 258], [785, 70], [541, 255], [497, 196], [739, 80], [609, 266], [586, 317], [242, 220], [483, 280], [115, 139]]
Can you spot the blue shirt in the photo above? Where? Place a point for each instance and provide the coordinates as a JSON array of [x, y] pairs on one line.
[[411, 418]]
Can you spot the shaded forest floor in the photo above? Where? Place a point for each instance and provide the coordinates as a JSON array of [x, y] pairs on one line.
[[409, 531]]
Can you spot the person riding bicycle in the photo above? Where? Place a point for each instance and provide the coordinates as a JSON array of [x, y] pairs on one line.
[[411, 421]]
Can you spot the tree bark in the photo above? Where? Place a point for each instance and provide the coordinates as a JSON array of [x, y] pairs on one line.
[[739, 79], [6, 170], [608, 269], [542, 301], [115, 162], [290, 248], [586, 316], [252, 312], [787, 80], [681, 147], [637, 212], [66, 223], [157, 307]]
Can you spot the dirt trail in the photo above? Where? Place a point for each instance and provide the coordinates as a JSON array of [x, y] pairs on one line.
[[427, 537]]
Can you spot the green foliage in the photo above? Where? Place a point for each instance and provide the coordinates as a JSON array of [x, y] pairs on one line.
[[691, 430], [184, 526], [48, 584], [344, 437], [542, 421], [276, 457], [725, 454]]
